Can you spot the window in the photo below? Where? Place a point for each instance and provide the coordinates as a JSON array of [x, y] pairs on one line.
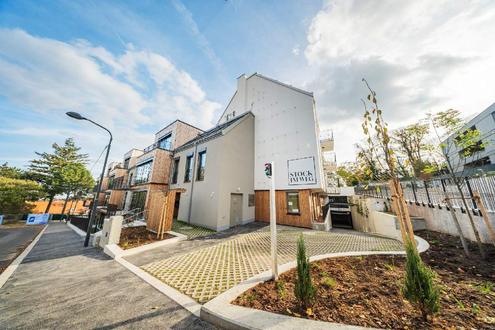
[[165, 142], [143, 172], [189, 169], [130, 179], [493, 115], [292, 202], [201, 165], [175, 172], [251, 200], [126, 162], [138, 200]]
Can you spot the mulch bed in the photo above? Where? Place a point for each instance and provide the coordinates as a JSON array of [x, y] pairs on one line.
[[366, 291], [132, 237]]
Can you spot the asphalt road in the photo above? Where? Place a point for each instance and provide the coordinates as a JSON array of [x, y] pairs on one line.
[[61, 285], [12, 241]]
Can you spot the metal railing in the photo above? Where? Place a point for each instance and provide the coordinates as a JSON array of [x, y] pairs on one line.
[[433, 192], [134, 215], [152, 147]]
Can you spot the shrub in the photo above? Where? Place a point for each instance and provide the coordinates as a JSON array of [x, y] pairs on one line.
[[303, 290], [419, 288], [329, 282]]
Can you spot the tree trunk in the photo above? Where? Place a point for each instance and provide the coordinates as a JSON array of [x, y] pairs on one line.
[[458, 226], [471, 220], [65, 203], [50, 200]]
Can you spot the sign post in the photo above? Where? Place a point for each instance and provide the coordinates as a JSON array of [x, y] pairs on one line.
[[270, 172]]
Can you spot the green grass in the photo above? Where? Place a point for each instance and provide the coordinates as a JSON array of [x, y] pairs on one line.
[[190, 230]]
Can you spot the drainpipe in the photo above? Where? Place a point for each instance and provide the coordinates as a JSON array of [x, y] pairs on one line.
[[192, 181]]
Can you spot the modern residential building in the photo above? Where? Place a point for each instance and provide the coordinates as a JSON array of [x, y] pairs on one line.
[[151, 171], [216, 171], [483, 160], [220, 172], [286, 132]]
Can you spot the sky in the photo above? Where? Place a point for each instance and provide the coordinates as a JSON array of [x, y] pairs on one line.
[[136, 66]]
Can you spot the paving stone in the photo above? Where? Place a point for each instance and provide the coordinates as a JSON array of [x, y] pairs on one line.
[[205, 273]]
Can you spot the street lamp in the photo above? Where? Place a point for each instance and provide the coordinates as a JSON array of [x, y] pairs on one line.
[[77, 116]]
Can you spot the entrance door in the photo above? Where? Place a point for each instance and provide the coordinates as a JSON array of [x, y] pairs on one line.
[[176, 205], [235, 209]]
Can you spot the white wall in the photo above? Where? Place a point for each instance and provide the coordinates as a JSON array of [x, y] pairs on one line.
[[285, 128], [229, 169]]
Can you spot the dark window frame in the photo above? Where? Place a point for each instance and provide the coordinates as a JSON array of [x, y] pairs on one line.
[[163, 138], [175, 170], [188, 175], [200, 173], [290, 207]]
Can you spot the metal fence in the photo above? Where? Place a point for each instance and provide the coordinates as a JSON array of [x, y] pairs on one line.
[[432, 193]]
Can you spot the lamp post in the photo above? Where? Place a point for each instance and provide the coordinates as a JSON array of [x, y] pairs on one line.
[[77, 116]]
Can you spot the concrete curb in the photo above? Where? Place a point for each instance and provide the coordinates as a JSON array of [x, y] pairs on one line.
[[76, 230], [17, 261], [220, 312], [185, 301], [114, 251]]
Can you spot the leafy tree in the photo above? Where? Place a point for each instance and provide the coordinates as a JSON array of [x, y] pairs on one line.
[[14, 193], [412, 142], [11, 172], [76, 178], [419, 287], [47, 169], [303, 290]]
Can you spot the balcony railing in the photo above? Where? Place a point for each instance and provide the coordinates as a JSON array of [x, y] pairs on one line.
[[118, 183], [154, 146]]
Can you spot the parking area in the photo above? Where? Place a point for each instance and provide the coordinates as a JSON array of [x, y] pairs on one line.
[[205, 272]]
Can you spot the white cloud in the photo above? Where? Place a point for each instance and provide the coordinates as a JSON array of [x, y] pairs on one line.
[[127, 92], [418, 55]]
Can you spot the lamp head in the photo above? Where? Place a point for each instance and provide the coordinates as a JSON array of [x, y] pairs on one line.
[[74, 115]]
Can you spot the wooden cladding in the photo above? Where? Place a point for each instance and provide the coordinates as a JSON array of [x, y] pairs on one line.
[[161, 211], [306, 209]]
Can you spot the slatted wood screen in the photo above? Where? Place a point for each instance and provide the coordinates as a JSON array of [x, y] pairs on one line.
[[161, 210]]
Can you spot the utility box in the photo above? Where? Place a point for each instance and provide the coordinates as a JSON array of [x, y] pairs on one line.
[[112, 228]]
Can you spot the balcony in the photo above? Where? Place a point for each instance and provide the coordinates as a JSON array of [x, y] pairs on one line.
[[154, 146], [118, 184], [326, 140]]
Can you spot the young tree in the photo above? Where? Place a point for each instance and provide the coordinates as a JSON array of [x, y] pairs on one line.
[[47, 170], [303, 290], [419, 287], [457, 144], [75, 178], [11, 172], [376, 129]]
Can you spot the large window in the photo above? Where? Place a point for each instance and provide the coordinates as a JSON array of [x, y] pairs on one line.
[[175, 172], [189, 169], [165, 142], [201, 165], [143, 172], [138, 200], [292, 202]]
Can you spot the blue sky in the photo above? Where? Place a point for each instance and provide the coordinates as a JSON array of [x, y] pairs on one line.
[[138, 65]]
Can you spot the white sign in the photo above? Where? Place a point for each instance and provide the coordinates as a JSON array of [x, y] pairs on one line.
[[37, 219], [302, 171]]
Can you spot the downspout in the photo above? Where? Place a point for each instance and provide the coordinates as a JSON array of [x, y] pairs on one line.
[[192, 181]]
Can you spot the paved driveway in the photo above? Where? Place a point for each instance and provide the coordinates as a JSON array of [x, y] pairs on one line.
[[14, 240], [61, 285], [206, 271]]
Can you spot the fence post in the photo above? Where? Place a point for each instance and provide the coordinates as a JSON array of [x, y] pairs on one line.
[[475, 207], [413, 185], [428, 193]]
